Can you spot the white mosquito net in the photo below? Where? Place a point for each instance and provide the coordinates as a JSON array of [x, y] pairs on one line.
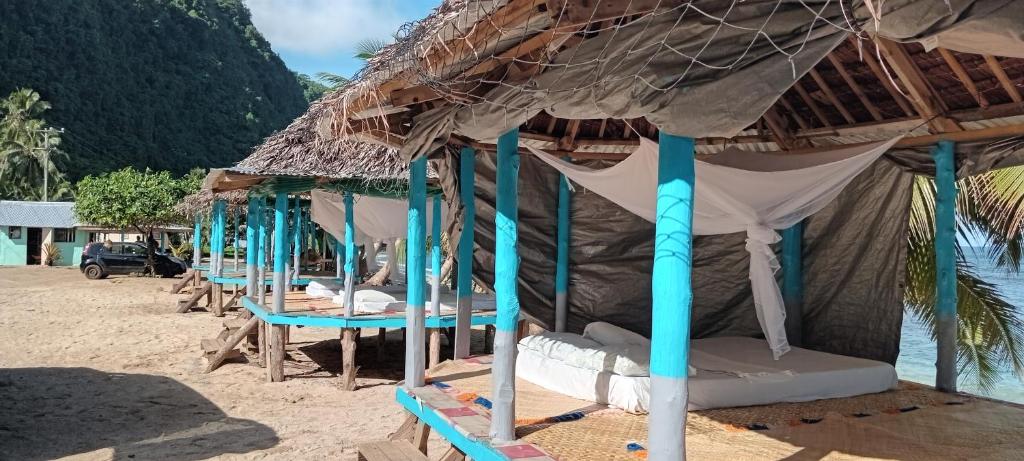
[[738, 191], [376, 218]]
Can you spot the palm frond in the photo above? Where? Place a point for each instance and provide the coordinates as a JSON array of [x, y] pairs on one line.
[[334, 81], [368, 48]]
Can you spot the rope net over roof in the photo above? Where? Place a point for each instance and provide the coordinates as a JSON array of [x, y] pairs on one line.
[[707, 69]]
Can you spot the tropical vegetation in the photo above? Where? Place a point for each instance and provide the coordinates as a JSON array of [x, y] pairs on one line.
[[990, 333], [28, 150]]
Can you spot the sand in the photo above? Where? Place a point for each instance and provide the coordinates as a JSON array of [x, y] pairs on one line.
[[97, 370]]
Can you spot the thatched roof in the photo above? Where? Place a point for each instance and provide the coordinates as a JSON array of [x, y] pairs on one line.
[[299, 151], [474, 64], [201, 202]]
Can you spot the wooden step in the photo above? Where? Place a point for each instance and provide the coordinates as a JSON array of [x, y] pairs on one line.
[[235, 323], [389, 451], [211, 346]]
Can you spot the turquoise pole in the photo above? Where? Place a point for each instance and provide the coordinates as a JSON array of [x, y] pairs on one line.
[[945, 265], [415, 269], [234, 241], [435, 257], [350, 255], [251, 252], [197, 241], [280, 249], [261, 249], [793, 281], [672, 298], [217, 238], [296, 240], [562, 259], [506, 269], [464, 306]]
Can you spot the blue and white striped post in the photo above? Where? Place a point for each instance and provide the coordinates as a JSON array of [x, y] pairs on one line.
[[793, 281], [435, 280], [945, 265], [672, 298], [251, 251], [350, 255], [197, 241], [464, 303], [296, 241], [234, 241], [562, 261], [415, 269], [280, 250], [506, 270]]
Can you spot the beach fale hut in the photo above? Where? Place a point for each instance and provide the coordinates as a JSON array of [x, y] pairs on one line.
[[752, 90], [354, 189]]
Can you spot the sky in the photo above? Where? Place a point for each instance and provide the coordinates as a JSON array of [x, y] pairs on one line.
[[321, 35]]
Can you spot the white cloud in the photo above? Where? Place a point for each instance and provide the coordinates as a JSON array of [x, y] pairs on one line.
[[323, 27]]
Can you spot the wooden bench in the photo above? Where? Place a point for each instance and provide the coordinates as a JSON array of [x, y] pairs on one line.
[[398, 450]]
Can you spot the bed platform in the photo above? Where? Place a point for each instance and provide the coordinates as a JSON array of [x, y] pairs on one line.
[[730, 372], [910, 422]]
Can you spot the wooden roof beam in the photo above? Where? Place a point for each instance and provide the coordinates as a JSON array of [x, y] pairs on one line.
[[793, 113], [1004, 80], [963, 76], [857, 90], [809, 101], [927, 104], [876, 70], [782, 135], [832, 96]]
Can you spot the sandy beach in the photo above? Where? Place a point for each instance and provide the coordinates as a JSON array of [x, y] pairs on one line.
[[98, 370]]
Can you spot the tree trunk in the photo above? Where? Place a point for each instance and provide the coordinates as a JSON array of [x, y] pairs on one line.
[[151, 244], [446, 268], [382, 276]]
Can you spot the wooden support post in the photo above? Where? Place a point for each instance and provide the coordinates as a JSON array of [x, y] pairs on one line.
[[793, 281], [350, 255], [276, 349], [348, 359], [382, 339], [218, 299], [261, 344], [562, 258], [506, 270], [945, 265], [415, 271], [231, 342], [435, 280], [672, 298], [197, 241], [464, 280], [421, 436]]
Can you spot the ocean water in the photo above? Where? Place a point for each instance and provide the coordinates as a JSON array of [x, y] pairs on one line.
[[917, 350]]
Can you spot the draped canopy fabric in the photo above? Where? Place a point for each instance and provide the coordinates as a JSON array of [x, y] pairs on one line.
[[770, 192], [376, 218]]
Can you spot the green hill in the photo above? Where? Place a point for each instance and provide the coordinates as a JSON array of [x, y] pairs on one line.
[[165, 84]]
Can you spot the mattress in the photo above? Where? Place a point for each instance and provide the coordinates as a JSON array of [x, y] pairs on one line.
[[377, 305], [731, 372]]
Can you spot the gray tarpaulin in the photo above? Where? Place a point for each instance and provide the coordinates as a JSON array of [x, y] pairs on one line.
[[642, 69], [853, 285]]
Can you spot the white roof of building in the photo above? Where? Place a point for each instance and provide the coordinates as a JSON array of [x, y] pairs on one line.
[[37, 214]]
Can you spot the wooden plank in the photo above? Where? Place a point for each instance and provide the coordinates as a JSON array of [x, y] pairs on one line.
[[857, 90], [963, 76], [389, 451], [228, 345], [582, 12], [809, 101], [783, 136], [928, 105], [1004, 80], [793, 113], [883, 78], [218, 300], [832, 96], [210, 345], [406, 430], [348, 359], [193, 300], [420, 436], [181, 284], [275, 368]]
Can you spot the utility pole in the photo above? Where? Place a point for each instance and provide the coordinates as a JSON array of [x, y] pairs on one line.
[[46, 161]]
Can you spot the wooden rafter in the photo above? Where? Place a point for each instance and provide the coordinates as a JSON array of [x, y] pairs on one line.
[[832, 96], [782, 135], [883, 77], [1004, 80], [793, 113], [809, 101], [857, 90], [928, 105], [963, 76]]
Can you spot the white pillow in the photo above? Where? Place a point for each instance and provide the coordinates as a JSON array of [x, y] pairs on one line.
[[367, 301], [580, 352], [608, 334], [322, 289]]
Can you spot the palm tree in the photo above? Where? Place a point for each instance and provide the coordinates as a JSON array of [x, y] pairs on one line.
[[365, 50], [990, 330], [24, 158]]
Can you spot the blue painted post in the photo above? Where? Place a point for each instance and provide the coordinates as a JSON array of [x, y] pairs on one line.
[[217, 238], [350, 255], [262, 231], [275, 370], [296, 241], [945, 265], [415, 269], [672, 298], [197, 241], [251, 252], [506, 269], [464, 306], [435, 280], [234, 241], [562, 261], [793, 281]]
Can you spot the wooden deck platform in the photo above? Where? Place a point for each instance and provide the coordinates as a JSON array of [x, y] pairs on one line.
[[913, 422]]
